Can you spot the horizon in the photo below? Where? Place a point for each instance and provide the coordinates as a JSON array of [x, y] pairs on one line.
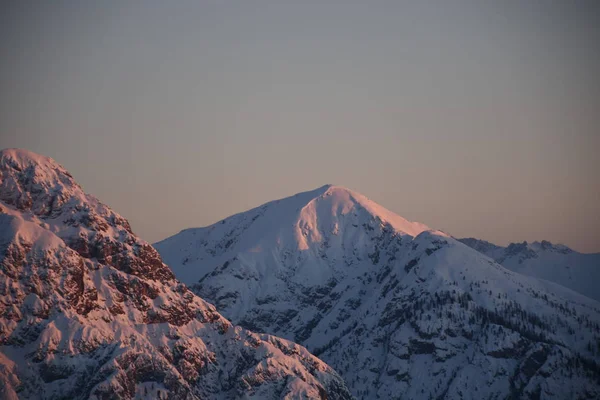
[[290, 196], [475, 118]]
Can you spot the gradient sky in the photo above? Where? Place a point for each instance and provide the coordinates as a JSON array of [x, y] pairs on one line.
[[480, 118]]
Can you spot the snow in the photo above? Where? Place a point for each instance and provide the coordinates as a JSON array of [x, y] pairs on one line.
[[328, 209], [553, 262], [341, 275], [88, 310], [14, 227]]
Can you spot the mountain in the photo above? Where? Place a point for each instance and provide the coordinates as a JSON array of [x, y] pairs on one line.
[[553, 262], [89, 311], [399, 310]]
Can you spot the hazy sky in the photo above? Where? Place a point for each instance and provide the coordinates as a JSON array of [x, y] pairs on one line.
[[480, 118]]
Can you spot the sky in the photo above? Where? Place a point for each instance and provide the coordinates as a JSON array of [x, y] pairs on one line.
[[480, 118]]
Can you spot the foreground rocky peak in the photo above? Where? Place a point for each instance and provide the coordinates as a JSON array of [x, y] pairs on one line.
[[38, 184], [89, 310], [398, 310]]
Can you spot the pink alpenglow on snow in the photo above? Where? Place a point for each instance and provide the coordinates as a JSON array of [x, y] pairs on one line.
[[89, 310]]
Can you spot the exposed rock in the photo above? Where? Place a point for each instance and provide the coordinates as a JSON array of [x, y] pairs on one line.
[[89, 310]]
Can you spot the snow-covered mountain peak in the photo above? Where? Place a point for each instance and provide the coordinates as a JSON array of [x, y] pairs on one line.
[[22, 159], [37, 189], [554, 262], [35, 173], [42, 189], [318, 230], [524, 248], [549, 246], [30, 181], [342, 201], [399, 310]]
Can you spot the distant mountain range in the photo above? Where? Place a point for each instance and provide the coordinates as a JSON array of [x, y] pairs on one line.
[[554, 262], [89, 311], [399, 310]]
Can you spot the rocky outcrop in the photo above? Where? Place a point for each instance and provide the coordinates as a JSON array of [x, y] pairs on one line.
[[89, 310]]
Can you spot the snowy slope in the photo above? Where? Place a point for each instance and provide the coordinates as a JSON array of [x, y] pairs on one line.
[[295, 224], [400, 311], [554, 262], [89, 310]]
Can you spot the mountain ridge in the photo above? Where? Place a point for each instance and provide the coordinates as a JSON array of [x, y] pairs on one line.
[[298, 211], [542, 259], [400, 313], [89, 310]]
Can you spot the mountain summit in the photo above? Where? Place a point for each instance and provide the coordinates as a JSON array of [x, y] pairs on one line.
[[307, 224], [89, 311], [399, 310]]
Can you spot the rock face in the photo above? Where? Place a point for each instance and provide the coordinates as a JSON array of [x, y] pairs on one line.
[[89, 310], [554, 262], [399, 310]]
